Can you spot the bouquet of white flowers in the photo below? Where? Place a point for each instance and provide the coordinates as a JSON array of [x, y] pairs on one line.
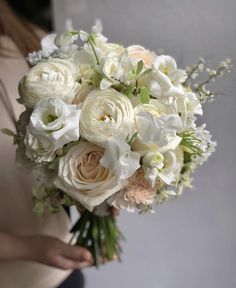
[[107, 127]]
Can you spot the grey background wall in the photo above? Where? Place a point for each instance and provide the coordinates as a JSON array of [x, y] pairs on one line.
[[190, 242]]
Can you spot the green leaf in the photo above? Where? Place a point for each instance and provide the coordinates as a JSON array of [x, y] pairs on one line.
[[131, 140], [8, 132], [72, 33], [139, 67], [128, 91], [144, 95], [38, 207], [145, 73]]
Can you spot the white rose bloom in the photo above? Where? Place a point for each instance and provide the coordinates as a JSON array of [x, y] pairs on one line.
[[165, 167], [119, 158], [52, 78], [52, 125], [81, 175], [106, 113]]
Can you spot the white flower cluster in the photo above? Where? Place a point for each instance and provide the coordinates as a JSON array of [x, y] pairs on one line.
[[117, 124]]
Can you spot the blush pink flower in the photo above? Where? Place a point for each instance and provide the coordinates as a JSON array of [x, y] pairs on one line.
[[138, 52], [136, 194]]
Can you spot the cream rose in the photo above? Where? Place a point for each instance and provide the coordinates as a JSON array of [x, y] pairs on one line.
[[81, 175], [106, 113], [138, 52], [53, 78]]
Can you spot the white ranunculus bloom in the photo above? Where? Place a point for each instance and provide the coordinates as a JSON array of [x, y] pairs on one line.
[[165, 167], [119, 158], [81, 175], [52, 78], [106, 113], [52, 125]]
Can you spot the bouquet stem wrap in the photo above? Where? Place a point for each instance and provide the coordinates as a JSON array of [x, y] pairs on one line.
[[100, 235]]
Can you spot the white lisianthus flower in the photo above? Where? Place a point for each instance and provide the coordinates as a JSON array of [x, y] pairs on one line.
[[165, 167], [119, 158], [52, 78], [106, 113], [81, 175], [137, 53], [52, 125]]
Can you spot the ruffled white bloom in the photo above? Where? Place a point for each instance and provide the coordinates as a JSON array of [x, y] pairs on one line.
[[157, 130], [165, 167], [81, 176], [116, 68], [106, 113], [52, 125], [119, 158], [52, 78]]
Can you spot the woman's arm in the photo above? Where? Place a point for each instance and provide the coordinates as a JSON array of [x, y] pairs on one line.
[[44, 249]]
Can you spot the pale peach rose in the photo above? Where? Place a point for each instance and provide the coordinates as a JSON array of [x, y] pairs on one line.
[[138, 52], [136, 194], [81, 175]]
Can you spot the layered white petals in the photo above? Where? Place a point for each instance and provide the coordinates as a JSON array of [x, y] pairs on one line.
[[52, 78], [157, 130], [106, 113], [81, 176], [52, 125], [165, 167], [119, 158]]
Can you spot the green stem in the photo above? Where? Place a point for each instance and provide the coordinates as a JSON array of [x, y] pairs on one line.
[[100, 235]]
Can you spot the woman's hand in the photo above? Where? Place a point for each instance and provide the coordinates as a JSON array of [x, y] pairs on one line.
[[44, 249]]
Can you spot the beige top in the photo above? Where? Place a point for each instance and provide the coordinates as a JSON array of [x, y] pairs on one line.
[[16, 205]]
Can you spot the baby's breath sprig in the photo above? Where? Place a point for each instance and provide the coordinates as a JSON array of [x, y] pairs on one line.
[[200, 88], [194, 71]]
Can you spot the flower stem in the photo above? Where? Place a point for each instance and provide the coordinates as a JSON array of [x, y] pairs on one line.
[[100, 235]]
